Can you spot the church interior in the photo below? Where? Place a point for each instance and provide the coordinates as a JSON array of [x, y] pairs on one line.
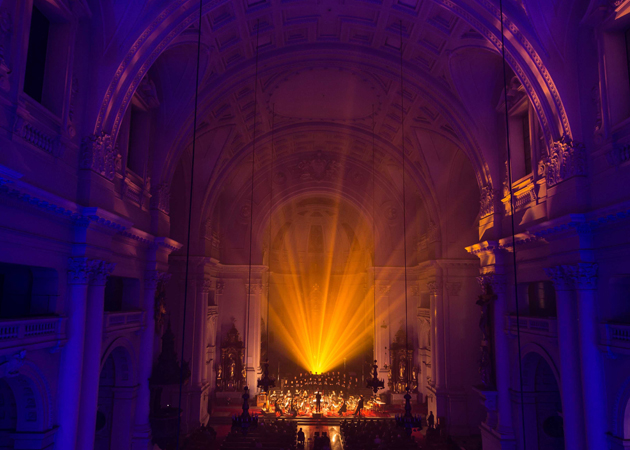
[[315, 224]]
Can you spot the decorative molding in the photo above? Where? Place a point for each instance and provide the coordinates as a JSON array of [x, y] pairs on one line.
[[581, 276], [78, 270], [453, 287], [487, 200], [99, 155], [208, 284], [12, 364], [137, 192], [99, 271], [161, 197], [32, 133], [153, 278], [585, 276], [492, 283], [561, 277], [435, 287], [255, 288], [567, 159], [618, 155], [219, 286], [317, 168]]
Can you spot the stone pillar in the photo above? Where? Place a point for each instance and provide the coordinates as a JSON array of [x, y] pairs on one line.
[[571, 386], [254, 293], [122, 416], [92, 353], [494, 283], [437, 333], [202, 321], [211, 348], [199, 337], [71, 366], [424, 350], [593, 391], [142, 429], [381, 340]]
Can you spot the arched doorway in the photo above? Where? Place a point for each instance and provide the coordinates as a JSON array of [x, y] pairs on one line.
[[8, 415], [544, 426], [116, 395]]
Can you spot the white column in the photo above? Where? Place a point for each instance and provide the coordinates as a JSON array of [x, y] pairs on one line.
[[122, 416], [142, 429], [211, 349], [594, 394], [381, 340], [494, 283], [437, 333], [72, 355], [92, 353], [571, 386], [253, 335]]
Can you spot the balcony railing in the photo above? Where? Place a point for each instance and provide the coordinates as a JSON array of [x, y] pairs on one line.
[[615, 335], [123, 322], [32, 333], [543, 326]]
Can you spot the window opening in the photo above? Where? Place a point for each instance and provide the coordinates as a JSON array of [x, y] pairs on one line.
[[36, 55]]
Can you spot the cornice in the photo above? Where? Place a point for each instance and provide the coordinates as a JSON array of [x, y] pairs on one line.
[[12, 186]]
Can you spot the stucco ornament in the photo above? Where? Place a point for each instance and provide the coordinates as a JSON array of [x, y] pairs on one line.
[[318, 168], [10, 367], [99, 155], [567, 159], [487, 200]]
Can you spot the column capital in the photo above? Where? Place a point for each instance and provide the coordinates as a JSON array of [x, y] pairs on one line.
[[434, 286], [580, 276], [99, 271], [585, 276], [219, 285], [492, 283], [78, 270], [154, 277], [561, 277], [208, 284], [255, 288]]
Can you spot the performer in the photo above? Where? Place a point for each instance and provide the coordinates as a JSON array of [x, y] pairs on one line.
[[277, 408], [343, 408], [318, 402], [357, 412]]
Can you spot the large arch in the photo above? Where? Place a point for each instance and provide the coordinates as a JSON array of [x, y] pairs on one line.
[[169, 23]]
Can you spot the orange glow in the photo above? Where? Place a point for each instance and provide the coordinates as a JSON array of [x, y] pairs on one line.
[[321, 306]]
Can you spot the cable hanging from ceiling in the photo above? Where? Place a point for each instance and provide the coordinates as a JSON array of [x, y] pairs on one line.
[[408, 421], [374, 383], [183, 365], [266, 381], [512, 225]]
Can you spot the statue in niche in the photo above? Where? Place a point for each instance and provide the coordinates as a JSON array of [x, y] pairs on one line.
[[230, 372]]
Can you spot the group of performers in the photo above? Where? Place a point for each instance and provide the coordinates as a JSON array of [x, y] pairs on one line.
[[327, 382], [305, 403]]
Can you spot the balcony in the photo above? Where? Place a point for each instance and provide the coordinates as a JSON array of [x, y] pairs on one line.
[[32, 333], [540, 326], [615, 337], [122, 322]]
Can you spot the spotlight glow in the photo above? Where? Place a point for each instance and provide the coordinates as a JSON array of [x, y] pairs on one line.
[[320, 308]]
